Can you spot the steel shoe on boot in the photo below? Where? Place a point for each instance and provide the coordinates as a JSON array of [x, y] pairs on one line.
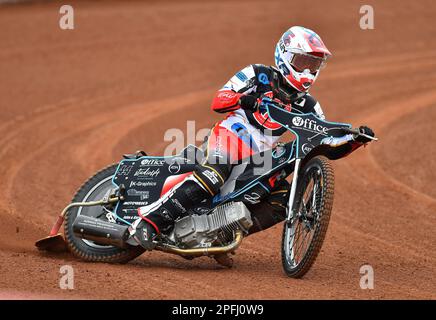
[[145, 234]]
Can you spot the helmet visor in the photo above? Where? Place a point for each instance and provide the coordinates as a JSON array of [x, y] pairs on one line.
[[301, 62]]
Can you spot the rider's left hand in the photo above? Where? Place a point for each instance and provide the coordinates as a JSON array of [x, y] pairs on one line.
[[367, 131], [248, 102]]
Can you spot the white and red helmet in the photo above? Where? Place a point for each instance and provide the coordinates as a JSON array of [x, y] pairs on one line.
[[300, 54]]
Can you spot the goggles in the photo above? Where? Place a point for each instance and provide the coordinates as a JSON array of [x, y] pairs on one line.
[[302, 61]]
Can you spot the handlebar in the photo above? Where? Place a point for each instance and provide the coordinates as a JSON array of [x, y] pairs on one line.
[[266, 101], [357, 132], [352, 131]]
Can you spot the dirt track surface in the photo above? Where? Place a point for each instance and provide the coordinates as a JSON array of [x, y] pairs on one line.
[[74, 101]]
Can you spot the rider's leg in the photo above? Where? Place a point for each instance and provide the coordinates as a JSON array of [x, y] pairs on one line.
[[205, 182]]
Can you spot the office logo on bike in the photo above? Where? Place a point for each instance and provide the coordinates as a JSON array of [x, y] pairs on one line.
[[309, 124], [307, 147]]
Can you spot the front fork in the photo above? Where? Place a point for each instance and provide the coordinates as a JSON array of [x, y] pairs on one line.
[[290, 208]]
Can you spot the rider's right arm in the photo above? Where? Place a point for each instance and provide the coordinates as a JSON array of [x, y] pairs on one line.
[[227, 98]]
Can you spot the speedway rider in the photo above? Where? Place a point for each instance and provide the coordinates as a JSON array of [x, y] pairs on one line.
[[299, 56]]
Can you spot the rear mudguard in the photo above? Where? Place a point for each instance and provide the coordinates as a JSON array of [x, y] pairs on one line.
[[145, 178]]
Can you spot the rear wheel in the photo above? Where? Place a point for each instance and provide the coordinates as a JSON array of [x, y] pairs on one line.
[[304, 234], [92, 190]]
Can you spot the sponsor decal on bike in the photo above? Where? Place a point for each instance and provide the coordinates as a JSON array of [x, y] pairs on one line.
[[309, 124], [297, 121], [282, 159], [152, 162], [253, 197], [141, 194], [307, 147], [124, 170], [135, 203], [174, 168], [142, 184], [278, 151], [130, 211], [147, 173]]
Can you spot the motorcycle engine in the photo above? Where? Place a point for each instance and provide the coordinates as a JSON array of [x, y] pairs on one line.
[[201, 230]]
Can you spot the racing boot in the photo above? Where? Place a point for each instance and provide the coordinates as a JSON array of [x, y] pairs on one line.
[[160, 216], [144, 233]]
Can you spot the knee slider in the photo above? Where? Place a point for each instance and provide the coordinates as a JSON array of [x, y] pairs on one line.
[[212, 176]]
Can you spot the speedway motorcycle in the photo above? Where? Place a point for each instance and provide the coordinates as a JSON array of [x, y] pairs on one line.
[[98, 219]]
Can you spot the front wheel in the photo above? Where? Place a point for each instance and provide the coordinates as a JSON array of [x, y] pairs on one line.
[[304, 234], [92, 190]]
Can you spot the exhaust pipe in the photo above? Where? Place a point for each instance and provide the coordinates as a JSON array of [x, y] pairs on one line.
[[107, 233], [198, 252], [55, 242], [100, 231]]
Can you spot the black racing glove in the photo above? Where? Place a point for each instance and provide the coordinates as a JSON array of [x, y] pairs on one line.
[[248, 102], [365, 130]]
